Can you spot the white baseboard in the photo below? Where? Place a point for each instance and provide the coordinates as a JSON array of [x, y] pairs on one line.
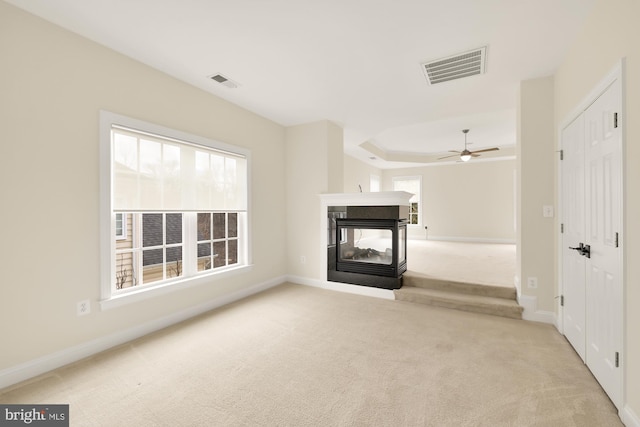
[[466, 239], [343, 287], [532, 313], [629, 417], [32, 368]]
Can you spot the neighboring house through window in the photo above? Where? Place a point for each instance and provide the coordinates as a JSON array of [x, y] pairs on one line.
[[411, 184], [121, 226], [175, 206]]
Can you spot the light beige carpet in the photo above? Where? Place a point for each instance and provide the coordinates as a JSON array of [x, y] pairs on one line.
[[481, 263], [301, 356]]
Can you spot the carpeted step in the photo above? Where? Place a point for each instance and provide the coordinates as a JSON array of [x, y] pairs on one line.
[[460, 301], [418, 280]]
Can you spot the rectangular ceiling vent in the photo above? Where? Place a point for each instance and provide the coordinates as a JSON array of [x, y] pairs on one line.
[[224, 81], [456, 67]]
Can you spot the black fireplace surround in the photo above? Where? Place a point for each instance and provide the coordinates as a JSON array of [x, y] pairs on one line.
[[367, 246]]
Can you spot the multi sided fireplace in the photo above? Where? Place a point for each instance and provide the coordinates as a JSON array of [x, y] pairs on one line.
[[367, 245]]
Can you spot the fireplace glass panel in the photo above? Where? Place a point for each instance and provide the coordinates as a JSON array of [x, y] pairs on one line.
[[402, 239], [367, 246], [331, 226]]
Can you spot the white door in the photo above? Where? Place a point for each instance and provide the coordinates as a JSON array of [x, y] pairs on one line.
[[592, 217], [603, 155], [573, 268]]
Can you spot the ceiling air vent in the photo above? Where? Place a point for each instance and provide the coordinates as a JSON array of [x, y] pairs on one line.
[[224, 81], [455, 67]]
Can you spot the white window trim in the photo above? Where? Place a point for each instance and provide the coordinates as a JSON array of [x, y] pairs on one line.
[[109, 299], [420, 212]]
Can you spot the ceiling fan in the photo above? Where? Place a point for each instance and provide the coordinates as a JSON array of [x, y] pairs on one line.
[[466, 155]]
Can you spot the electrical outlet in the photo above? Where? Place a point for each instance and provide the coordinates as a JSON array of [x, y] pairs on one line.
[[532, 282], [303, 259], [547, 211], [84, 307]]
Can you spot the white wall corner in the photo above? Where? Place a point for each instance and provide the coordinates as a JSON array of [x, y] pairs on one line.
[[343, 287], [629, 417], [41, 365], [532, 313]]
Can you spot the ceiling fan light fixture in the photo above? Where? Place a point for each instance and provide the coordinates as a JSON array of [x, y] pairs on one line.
[[466, 155]]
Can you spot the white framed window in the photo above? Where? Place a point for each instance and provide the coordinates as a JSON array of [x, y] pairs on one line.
[[173, 209], [411, 184], [374, 183]]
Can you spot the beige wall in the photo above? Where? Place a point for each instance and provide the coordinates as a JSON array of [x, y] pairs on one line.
[[472, 201], [358, 173], [314, 165], [611, 33], [536, 188], [53, 84]]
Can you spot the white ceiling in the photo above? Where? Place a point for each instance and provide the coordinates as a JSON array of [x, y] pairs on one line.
[[354, 62]]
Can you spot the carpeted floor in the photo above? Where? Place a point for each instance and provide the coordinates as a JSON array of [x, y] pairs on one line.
[[302, 356], [480, 263]]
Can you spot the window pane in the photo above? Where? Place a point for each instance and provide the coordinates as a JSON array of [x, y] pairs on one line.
[[152, 265], [171, 160], [219, 226], [204, 256], [232, 229], [150, 157], [374, 183], [414, 208], [125, 274], [414, 219], [151, 230], [204, 226], [220, 254], [152, 257], [125, 151], [217, 165], [233, 252], [409, 185], [174, 254], [174, 261], [174, 228]]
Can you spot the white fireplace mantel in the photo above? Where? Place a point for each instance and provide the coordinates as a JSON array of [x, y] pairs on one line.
[[381, 198]]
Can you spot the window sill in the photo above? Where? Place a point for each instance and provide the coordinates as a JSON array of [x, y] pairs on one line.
[[148, 292]]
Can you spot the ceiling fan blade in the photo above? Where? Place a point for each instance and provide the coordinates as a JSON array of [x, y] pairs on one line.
[[485, 150], [475, 155], [448, 157], [454, 151]]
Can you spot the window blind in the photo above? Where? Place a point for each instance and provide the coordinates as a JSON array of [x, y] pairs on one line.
[[153, 173]]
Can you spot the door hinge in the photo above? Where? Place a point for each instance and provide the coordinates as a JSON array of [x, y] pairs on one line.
[[561, 300], [561, 228], [615, 120], [561, 154], [617, 359], [617, 241]]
